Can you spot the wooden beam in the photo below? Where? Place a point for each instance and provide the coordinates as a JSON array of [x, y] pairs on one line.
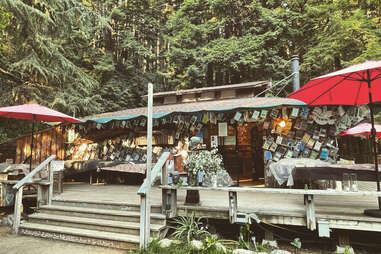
[[310, 212], [17, 210], [233, 207], [147, 222], [282, 191]]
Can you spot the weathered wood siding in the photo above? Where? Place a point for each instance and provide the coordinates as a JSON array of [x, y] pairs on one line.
[[46, 143]]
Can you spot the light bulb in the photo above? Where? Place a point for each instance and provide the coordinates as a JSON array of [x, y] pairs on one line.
[[282, 124]]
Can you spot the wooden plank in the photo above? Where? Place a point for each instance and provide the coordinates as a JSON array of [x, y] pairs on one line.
[[142, 221], [283, 191], [43, 145], [310, 212], [26, 147], [19, 151], [17, 210], [232, 206], [53, 145], [60, 144], [147, 222]]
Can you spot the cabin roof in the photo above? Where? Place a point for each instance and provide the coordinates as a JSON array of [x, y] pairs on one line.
[[214, 105]]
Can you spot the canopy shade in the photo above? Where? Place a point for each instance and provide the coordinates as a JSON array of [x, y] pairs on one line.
[[362, 129], [35, 112], [348, 86]]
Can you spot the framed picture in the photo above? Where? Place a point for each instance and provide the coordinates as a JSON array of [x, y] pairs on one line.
[[314, 155], [289, 154], [282, 150], [317, 146], [311, 143], [267, 144], [279, 140], [264, 113], [255, 115], [273, 147], [324, 154], [306, 153], [274, 113], [277, 156], [306, 138], [295, 112]]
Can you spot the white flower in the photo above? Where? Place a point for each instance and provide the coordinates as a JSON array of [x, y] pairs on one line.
[[196, 244]]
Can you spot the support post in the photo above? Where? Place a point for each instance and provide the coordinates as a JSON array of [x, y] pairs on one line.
[[147, 220], [169, 202], [295, 71], [51, 181], [142, 221], [42, 195], [232, 207], [310, 212], [17, 210]]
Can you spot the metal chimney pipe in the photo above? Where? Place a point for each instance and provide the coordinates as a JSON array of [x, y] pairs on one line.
[[295, 71]]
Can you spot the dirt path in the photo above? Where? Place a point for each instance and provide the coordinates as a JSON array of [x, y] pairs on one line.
[[13, 244]]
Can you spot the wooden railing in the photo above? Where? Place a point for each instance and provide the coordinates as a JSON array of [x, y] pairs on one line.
[[309, 204], [44, 188], [160, 166]]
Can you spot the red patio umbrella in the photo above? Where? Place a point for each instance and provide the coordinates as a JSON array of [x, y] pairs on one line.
[[35, 112], [356, 85], [362, 129]]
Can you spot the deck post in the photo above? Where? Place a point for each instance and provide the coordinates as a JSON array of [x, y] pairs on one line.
[[310, 212], [42, 195], [232, 207], [142, 221], [147, 212], [18, 210], [51, 181]]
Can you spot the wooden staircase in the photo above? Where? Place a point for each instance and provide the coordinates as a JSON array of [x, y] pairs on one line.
[[103, 224]]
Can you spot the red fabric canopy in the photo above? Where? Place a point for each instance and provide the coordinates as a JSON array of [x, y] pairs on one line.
[[36, 112], [348, 86], [362, 129]]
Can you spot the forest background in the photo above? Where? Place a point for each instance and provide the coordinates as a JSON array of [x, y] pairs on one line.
[[83, 57]]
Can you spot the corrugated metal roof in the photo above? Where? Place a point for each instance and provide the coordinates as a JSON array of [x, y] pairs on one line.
[[216, 105], [213, 88]]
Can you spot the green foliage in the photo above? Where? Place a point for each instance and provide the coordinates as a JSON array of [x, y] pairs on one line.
[[181, 248], [296, 243], [245, 235], [84, 57], [189, 228]]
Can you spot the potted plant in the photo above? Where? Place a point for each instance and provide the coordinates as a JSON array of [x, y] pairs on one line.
[[207, 162]]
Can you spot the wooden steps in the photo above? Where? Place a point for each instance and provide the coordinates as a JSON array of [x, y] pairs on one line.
[[108, 225]]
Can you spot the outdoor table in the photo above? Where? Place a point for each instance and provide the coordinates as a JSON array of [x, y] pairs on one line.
[[364, 172]]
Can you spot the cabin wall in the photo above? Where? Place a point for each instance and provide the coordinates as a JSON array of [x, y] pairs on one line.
[[45, 143]]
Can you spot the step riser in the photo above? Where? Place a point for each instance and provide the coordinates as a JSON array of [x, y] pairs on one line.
[[130, 231], [80, 239], [130, 207], [102, 216]]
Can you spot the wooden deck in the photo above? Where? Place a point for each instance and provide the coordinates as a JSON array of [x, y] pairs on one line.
[[341, 212]]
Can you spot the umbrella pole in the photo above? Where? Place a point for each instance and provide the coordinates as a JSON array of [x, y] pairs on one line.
[[373, 212], [31, 146]]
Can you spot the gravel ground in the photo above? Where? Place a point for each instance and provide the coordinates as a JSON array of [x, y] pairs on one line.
[[13, 244]]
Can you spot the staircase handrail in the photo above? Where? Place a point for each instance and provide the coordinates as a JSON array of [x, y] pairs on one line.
[[155, 171], [44, 190], [28, 177]]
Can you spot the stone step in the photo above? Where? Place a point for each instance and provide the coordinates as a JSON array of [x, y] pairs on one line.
[[103, 205], [84, 236], [105, 214], [131, 228]]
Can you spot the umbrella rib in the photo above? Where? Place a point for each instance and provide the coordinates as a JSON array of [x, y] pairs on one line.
[[358, 94], [377, 76], [328, 90]]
